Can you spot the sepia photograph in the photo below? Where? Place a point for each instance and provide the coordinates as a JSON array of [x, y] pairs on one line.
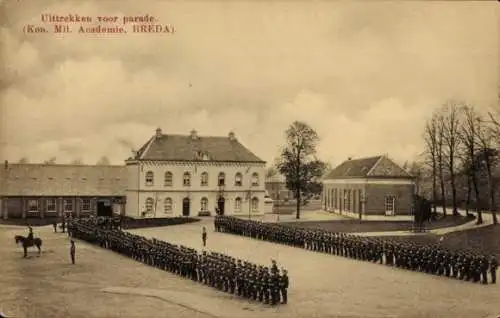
[[248, 159]]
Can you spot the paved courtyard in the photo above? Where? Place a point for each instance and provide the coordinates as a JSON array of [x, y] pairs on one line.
[[104, 284]]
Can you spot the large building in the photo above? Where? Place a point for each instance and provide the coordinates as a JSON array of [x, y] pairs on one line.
[[40, 190], [190, 175], [369, 186]]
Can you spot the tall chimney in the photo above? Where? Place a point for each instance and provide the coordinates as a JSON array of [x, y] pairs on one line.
[[6, 164], [158, 132]]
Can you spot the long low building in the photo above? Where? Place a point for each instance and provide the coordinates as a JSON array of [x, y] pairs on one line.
[[39, 190], [169, 176]]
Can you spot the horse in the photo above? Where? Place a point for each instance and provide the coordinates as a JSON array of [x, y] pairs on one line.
[[27, 243]]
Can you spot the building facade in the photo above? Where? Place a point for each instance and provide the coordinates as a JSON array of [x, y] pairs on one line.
[[49, 190], [191, 175], [276, 188], [369, 186]]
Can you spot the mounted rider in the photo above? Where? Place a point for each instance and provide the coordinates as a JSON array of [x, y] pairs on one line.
[[30, 234]]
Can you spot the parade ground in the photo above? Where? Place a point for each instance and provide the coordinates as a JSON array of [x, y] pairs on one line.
[[105, 284]]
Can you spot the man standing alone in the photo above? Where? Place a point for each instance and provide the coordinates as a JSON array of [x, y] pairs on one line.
[[72, 251], [204, 236]]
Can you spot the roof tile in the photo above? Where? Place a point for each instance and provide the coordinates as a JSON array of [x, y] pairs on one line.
[[57, 180], [186, 148]]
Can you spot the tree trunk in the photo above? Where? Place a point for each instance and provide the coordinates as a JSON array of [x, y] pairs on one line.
[[478, 200], [453, 193], [297, 194], [443, 193], [469, 193], [434, 186], [491, 200]]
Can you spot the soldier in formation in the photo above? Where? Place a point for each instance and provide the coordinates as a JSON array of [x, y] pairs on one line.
[[430, 259], [226, 273]]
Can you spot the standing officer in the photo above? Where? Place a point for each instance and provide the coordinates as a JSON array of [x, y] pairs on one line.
[[284, 281], [72, 251], [493, 269], [204, 236]]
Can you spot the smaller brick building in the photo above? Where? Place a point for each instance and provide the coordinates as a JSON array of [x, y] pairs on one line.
[[369, 186]]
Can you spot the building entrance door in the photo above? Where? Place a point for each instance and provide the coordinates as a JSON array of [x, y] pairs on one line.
[[185, 207], [220, 205]]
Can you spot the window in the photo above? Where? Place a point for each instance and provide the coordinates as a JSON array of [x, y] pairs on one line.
[[51, 205], [335, 198], [204, 204], [238, 179], [68, 205], [222, 179], [361, 200], [255, 179], [86, 205], [389, 205], [349, 197], [237, 205], [167, 205], [149, 205], [255, 204], [149, 178], [204, 179], [168, 179], [33, 205], [186, 180]]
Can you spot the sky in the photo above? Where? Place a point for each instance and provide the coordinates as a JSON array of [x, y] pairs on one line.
[[365, 76]]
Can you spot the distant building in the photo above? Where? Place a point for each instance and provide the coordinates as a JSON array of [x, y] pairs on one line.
[[276, 188], [370, 186], [190, 175], [40, 190]]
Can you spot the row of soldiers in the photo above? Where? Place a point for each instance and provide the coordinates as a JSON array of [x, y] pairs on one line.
[[226, 273], [431, 259]]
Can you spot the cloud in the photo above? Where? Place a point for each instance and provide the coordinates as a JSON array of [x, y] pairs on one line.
[[364, 76]]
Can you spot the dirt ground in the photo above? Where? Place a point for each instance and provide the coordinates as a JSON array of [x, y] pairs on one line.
[[104, 284]]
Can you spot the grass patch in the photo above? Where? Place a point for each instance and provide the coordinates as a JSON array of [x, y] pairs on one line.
[[357, 226], [483, 240]]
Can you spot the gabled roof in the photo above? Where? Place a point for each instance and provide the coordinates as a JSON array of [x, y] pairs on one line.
[[371, 167], [62, 180], [162, 147]]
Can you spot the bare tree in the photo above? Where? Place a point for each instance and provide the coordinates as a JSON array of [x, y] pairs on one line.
[[430, 137], [416, 170], [451, 126], [23, 160], [468, 134], [488, 159], [103, 161], [441, 159]]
